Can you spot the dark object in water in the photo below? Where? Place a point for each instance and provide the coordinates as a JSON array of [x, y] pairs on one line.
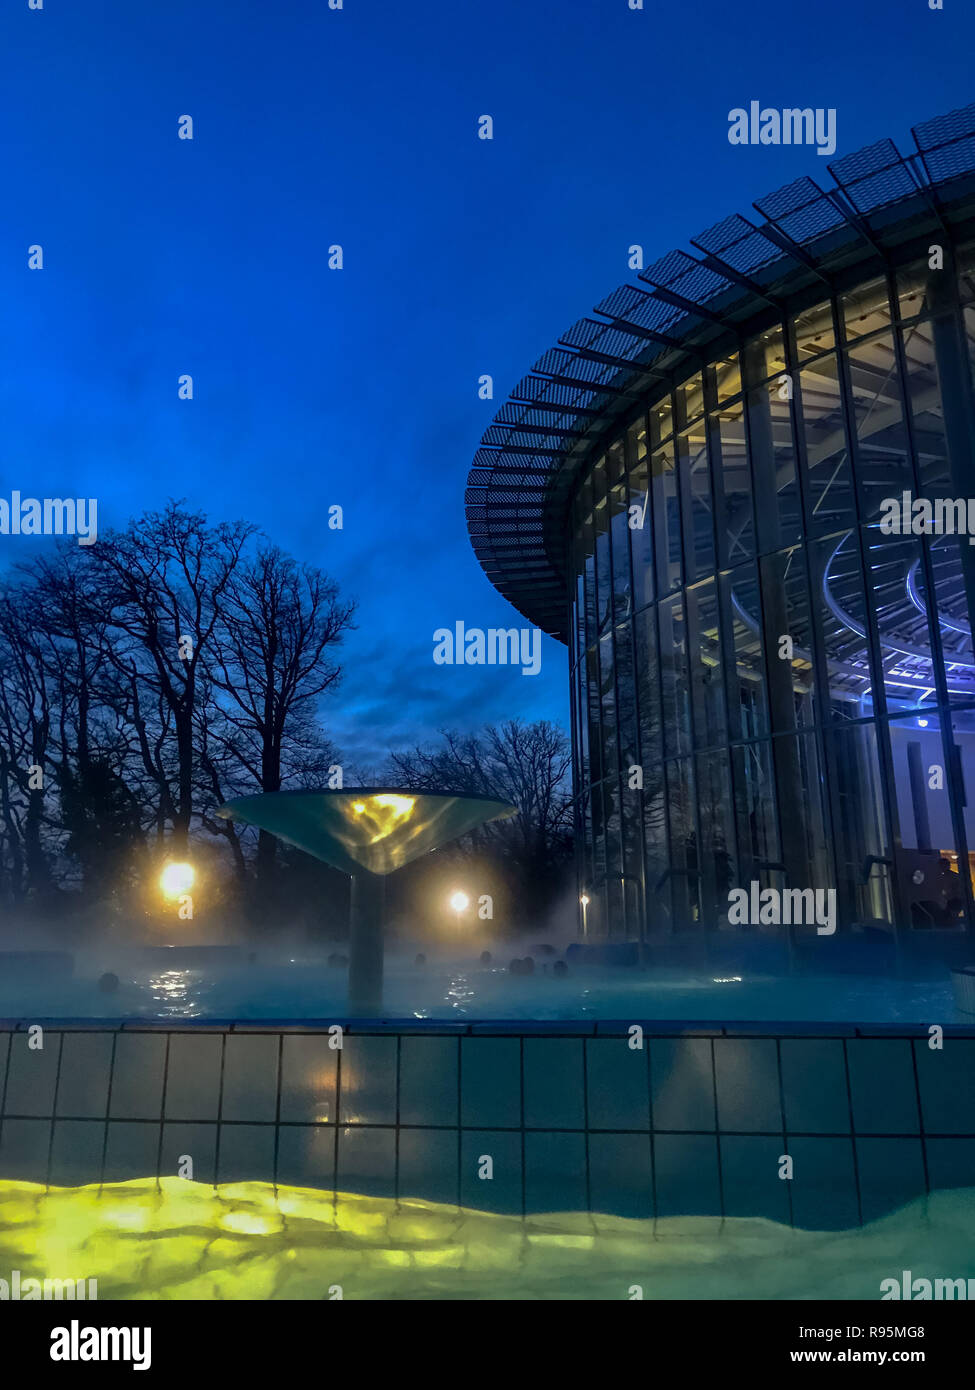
[[337, 958], [420, 959], [108, 983], [522, 967], [485, 957], [560, 968]]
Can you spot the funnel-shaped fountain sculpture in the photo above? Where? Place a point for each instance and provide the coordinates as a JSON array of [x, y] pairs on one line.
[[367, 832]]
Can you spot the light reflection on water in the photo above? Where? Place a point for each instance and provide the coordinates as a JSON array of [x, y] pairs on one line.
[[459, 993], [172, 993]]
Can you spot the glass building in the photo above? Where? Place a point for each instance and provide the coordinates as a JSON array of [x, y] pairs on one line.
[[772, 669]]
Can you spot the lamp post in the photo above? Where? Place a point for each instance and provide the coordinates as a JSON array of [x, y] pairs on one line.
[[460, 902], [584, 900]]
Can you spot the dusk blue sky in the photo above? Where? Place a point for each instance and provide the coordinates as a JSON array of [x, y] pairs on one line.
[[462, 257]]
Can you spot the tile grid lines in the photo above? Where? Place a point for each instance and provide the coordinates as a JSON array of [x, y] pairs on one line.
[[585, 1121], [653, 1155], [460, 1121], [162, 1111], [853, 1142], [717, 1132], [277, 1109], [223, 1059], [108, 1109], [498, 1129], [338, 1117], [785, 1126], [586, 1130], [3, 1095], [521, 1102], [510, 1028], [54, 1111], [920, 1119], [399, 1056]]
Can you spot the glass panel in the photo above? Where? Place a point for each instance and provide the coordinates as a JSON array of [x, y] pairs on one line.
[[829, 486], [579, 603], [863, 855], [773, 460], [666, 519], [718, 859], [758, 836], [727, 377], [661, 419], [598, 843], [689, 398], [707, 685], [896, 585], [747, 701], [692, 454], [788, 637], [593, 705], [626, 701], [588, 872], [651, 760], [764, 356], [683, 865], [814, 331], [583, 718], [732, 470], [620, 535], [883, 454], [842, 611], [608, 701], [963, 739], [651, 731], [947, 554], [636, 442], [927, 859], [633, 881], [589, 549], [604, 572], [614, 462], [674, 678], [865, 309], [927, 410], [614, 844], [799, 783], [657, 852], [965, 261], [640, 522], [910, 285]]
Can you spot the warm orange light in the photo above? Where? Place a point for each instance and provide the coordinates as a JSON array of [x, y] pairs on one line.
[[177, 879]]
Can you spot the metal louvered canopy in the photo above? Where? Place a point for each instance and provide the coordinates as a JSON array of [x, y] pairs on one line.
[[685, 308]]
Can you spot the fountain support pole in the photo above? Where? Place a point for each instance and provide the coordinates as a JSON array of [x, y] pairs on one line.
[[366, 944]]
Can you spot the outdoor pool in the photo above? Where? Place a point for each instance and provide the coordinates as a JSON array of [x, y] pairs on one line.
[[303, 986]]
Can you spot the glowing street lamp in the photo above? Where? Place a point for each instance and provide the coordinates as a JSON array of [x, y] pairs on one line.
[[585, 903], [177, 879], [460, 902]]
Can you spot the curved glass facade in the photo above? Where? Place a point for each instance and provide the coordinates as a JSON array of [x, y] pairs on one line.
[[770, 683]]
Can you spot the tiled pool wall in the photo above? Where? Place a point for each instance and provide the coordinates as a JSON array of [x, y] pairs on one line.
[[573, 1117]]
